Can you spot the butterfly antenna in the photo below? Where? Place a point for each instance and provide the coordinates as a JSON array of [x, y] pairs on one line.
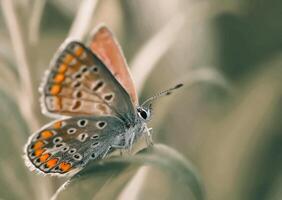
[[161, 94]]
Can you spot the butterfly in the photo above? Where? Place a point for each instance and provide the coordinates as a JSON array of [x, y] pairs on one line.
[[91, 93]]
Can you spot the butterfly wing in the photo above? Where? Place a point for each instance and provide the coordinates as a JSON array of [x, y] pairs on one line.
[[79, 83], [65, 146], [106, 47]]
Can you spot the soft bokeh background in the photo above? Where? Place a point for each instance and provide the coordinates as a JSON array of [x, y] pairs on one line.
[[226, 120]]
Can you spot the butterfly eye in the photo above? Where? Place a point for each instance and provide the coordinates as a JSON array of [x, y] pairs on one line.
[[143, 114]]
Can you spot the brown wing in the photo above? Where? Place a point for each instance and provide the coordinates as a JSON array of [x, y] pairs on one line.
[[78, 83], [106, 47]]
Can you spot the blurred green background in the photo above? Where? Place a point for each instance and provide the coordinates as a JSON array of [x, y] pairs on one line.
[[226, 120]]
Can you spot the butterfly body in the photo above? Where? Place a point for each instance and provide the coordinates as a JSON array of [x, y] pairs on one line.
[[92, 95], [96, 111]]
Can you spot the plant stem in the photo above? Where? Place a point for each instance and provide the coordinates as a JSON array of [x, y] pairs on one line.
[[82, 21], [34, 22], [25, 95]]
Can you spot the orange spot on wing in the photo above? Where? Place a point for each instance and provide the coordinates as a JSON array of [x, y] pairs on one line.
[[55, 89], [38, 152], [64, 166], [38, 145], [59, 78], [78, 51], [51, 163], [62, 68], [46, 134], [57, 125], [44, 157], [68, 58]]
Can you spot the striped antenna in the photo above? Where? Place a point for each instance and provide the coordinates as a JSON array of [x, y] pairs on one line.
[[161, 94]]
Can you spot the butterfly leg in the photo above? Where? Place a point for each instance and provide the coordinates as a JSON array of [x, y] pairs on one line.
[[120, 147], [128, 142], [148, 136], [131, 140], [106, 152]]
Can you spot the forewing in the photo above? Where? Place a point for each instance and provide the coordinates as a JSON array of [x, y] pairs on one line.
[[65, 146], [106, 47], [79, 83]]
